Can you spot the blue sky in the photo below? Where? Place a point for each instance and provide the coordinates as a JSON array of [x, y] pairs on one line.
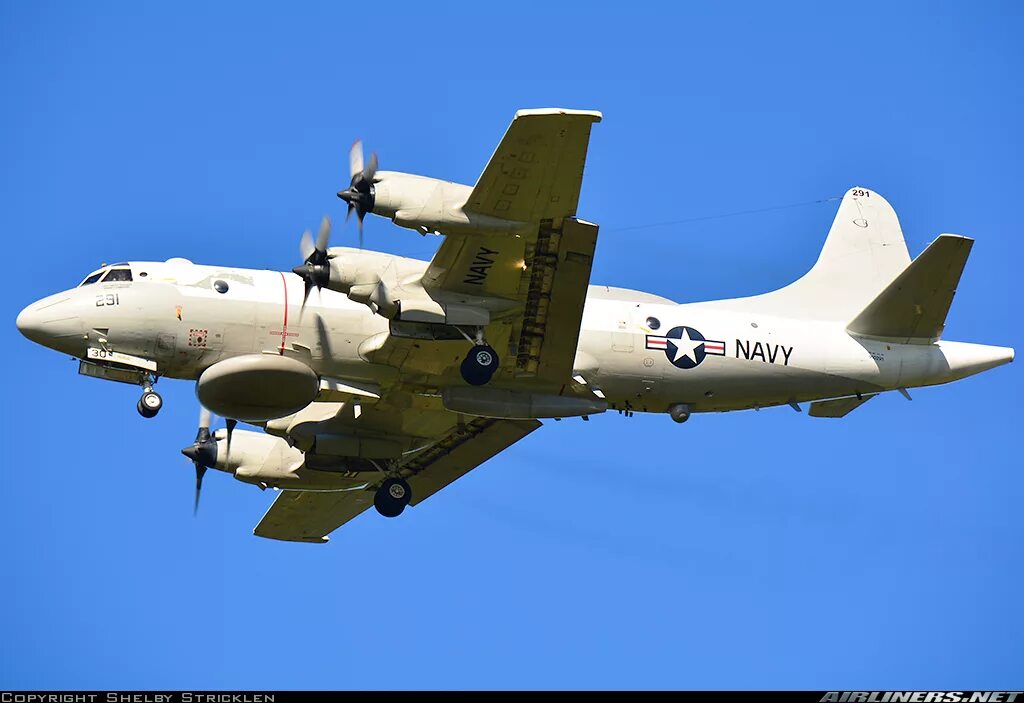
[[747, 550]]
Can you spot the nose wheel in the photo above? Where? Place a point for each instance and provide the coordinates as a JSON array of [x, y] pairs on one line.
[[150, 403], [479, 365], [391, 497]]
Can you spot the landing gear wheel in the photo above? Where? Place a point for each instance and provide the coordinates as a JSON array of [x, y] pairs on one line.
[[479, 365], [391, 497], [149, 404]]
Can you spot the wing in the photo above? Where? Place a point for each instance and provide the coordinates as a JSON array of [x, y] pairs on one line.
[[461, 451], [536, 171], [544, 274], [309, 516], [541, 271]]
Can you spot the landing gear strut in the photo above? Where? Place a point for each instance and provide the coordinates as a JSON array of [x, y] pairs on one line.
[[150, 402], [391, 497]]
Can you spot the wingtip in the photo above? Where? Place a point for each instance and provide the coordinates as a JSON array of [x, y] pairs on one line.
[[593, 114]]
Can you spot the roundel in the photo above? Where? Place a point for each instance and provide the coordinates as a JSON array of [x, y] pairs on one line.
[[685, 347]]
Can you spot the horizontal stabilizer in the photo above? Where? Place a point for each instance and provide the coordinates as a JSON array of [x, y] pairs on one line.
[[840, 407], [913, 308]]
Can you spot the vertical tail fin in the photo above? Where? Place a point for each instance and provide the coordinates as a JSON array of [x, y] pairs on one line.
[[863, 253]]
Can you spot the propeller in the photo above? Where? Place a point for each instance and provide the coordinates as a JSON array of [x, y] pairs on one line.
[[202, 452], [359, 194], [316, 269]]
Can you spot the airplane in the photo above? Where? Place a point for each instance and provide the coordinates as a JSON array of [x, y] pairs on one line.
[[378, 379]]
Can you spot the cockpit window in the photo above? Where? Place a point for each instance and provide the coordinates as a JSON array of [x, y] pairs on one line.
[[92, 278], [118, 275]]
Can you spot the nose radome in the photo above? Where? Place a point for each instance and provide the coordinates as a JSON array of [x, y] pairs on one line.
[[30, 323], [52, 322]]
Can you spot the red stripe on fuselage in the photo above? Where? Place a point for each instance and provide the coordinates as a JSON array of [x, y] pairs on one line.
[[284, 324]]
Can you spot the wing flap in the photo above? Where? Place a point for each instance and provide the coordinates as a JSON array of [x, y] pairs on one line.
[[559, 275]]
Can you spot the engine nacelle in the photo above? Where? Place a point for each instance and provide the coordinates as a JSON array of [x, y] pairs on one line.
[[430, 205], [264, 460], [257, 458], [390, 286]]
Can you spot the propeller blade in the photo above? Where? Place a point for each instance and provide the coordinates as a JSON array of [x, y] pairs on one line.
[[204, 418], [360, 217], [306, 247], [348, 213], [323, 235], [371, 168], [355, 158], [307, 286], [200, 472]]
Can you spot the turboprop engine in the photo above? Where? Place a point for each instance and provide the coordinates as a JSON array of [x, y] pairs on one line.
[[327, 464], [260, 459], [250, 457], [416, 202], [389, 285]]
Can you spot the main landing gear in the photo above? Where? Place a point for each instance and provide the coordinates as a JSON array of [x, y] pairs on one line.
[[479, 365], [392, 496], [150, 402], [481, 362]]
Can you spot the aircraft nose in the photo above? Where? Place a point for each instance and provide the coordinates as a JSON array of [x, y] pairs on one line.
[[51, 322], [30, 323]]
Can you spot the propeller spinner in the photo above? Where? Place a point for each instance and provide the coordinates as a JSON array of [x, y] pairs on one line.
[[359, 194], [316, 269], [203, 451]]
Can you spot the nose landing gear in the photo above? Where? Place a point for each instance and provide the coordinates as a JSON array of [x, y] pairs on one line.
[[150, 402]]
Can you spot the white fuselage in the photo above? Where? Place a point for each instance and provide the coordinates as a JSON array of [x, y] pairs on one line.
[[175, 314]]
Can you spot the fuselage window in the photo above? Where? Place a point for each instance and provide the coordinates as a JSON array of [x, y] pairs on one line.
[[653, 322], [220, 286], [91, 279], [118, 275]]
